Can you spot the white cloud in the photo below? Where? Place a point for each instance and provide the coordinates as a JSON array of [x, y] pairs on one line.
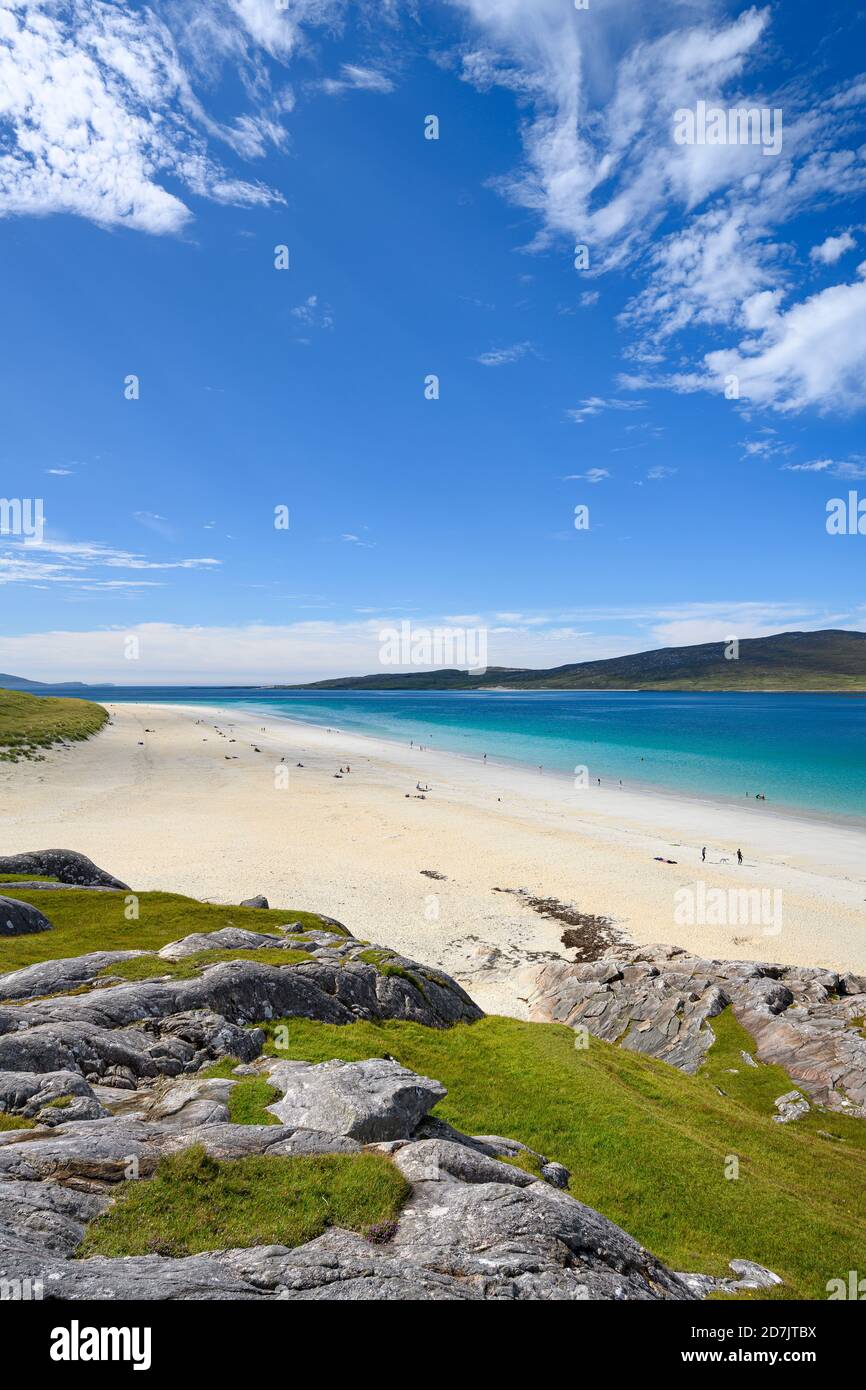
[[73, 562], [311, 650], [313, 314], [501, 357], [592, 475], [698, 223], [594, 405], [357, 79], [831, 250], [99, 110], [837, 468]]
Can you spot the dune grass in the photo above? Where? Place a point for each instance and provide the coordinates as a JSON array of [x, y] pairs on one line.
[[195, 1203], [646, 1145], [31, 723], [85, 922]]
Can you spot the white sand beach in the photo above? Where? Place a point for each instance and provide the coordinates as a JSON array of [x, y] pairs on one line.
[[165, 801]]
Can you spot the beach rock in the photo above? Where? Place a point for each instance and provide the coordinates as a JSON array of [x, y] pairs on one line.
[[367, 1101], [66, 865], [58, 976], [661, 1000], [20, 919], [259, 901], [226, 939]]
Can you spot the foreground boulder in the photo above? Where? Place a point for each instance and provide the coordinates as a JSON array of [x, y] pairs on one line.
[[661, 1000], [66, 865], [367, 1101], [20, 919]]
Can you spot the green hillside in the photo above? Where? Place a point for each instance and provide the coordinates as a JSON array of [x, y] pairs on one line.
[[829, 660]]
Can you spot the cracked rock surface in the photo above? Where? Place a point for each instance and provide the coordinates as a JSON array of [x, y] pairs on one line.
[[661, 1000]]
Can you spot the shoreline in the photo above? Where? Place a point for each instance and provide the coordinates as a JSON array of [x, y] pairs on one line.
[[651, 789], [184, 810]]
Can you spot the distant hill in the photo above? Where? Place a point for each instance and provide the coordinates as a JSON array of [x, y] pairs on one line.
[[22, 683], [828, 660]]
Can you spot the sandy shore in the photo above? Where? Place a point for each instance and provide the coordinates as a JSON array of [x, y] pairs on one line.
[[184, 809]]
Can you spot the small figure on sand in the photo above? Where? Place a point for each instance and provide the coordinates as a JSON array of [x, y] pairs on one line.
[[704, 855], [739, 856]]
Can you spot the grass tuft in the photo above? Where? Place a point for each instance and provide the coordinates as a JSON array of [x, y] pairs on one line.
[[195, 1203]]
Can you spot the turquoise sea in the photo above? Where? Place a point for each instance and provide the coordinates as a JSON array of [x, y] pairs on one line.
[[803, 752]]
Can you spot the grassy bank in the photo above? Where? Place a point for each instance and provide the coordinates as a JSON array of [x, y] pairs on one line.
[[31, 723], [98, 922], [646, 1145]]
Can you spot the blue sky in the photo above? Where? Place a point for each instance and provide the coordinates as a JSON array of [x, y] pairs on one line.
[[152, 158]]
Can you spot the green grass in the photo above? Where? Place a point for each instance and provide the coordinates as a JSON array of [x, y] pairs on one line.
[[28, 878], [758, 1087], [14, 1122], [96, 922], [195, 1203], [646, 1145], [29, 723], [384, 964], [152, 967]]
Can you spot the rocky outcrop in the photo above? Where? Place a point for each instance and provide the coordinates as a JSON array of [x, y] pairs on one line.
[[473, 1227], [67, 865], [661, 1000], [58, 976], [367, 1101], [20, 919]]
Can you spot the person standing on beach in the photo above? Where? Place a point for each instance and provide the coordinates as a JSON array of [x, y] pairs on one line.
[[704, 855], [739, 856]]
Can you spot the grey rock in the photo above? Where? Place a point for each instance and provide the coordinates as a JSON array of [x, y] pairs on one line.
[[258, 901], [226, 939], [748, 1276], [58, 976], [367, 1101], [26, 1093], [67, 865], [661, 1000], [244, 991], [20, 919], [790, 1107]]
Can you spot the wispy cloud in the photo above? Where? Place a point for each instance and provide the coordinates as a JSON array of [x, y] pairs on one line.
[[357, 79], [313, 314], [501, 357], [594, 405], [847, 468], [592, 475]]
